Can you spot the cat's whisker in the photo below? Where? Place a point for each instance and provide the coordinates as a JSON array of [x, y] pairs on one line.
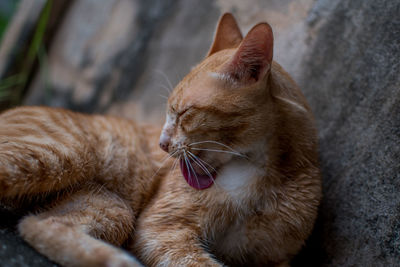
[[173, 166], [218, 143], [191, 168], [220, 151], [197, 179], [164, 160], [214, 142], [203, 161], [176, 162], [163, 96], [187, 166], [166, 78], [167, 156], [166, 88], [193, 156], [197, 161]]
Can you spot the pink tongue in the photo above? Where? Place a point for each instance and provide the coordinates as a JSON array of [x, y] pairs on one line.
[[195, 180]]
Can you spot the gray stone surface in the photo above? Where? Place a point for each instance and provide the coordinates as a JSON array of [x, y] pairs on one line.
[[15, 252], [351, 79], [344, 54]]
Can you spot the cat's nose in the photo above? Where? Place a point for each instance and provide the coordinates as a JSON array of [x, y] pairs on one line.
[[164, 146], [164, 142]]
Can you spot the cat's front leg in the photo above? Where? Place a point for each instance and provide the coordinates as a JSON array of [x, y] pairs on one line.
[[172, 247], [84, 229], [161, 239]]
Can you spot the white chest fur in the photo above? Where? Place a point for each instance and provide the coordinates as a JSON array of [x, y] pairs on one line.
[[236, 179]]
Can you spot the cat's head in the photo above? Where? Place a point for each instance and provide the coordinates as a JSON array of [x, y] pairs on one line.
[[222, 104]]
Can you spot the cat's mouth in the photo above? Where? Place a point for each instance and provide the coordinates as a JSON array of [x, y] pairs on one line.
[[198, 177]]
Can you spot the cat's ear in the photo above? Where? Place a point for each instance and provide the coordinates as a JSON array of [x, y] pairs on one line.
[[228, 34], [253, 58]]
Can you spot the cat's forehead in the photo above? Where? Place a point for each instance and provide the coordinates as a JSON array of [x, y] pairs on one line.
[[201, 86], [186, 95], [200, 91]]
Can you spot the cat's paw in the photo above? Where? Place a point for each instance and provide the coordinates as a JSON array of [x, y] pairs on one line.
[[122, 260]]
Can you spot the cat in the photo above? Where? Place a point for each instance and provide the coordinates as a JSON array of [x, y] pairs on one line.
[[232, 178]]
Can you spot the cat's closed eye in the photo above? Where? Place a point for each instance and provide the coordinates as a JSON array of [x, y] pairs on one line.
[[184, 111], [186, 119]]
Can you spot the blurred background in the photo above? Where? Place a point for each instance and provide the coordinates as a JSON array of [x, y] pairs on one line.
[[122, 57]]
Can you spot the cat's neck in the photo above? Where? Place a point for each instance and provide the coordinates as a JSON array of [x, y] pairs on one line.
[[275, 157], [292, 146]]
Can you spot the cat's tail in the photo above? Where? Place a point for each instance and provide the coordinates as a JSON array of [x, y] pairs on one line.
[[43, 150]]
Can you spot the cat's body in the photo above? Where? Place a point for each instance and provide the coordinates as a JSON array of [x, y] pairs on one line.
[[246, 195]]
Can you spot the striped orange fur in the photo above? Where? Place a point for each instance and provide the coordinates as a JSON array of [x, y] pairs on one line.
[[240, 186]]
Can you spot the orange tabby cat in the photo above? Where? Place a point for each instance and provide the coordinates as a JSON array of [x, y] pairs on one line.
[[245, 194]]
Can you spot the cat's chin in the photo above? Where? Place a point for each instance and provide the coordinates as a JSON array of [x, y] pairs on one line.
[[196, 180]]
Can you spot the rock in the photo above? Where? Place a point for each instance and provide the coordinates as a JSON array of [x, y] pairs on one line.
[[14, 251], [351, 79]]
